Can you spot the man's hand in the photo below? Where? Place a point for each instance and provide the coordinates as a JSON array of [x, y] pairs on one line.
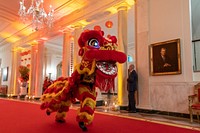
[[167, 65]]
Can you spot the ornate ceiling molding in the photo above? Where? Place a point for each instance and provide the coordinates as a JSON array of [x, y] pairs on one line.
[[76, 16]]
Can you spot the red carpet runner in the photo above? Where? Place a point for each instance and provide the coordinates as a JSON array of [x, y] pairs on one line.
[[22, 117]]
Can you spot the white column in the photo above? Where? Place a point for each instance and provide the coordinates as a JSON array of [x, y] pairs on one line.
[[142, 40], [122, 68], [77, 33], [66, 54], [14, 85], [36, 73], [39, 69], [32, 75]]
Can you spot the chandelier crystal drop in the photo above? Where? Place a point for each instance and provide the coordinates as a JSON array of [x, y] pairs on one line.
[[37, 13]]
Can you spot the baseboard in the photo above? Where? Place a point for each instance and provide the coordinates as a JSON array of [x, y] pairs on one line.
[[98, 103], [176, 114], [37, 98], [3, 95], [158, 112]]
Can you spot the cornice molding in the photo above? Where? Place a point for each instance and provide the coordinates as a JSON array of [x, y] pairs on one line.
[[75, 16]]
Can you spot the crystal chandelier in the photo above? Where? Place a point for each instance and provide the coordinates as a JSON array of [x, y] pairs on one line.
[[37, 13]]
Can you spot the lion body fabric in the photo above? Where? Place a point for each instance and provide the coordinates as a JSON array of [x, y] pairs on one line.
[[96, 70]]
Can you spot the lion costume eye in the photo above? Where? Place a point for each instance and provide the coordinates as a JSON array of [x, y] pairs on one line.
[[93, 43]]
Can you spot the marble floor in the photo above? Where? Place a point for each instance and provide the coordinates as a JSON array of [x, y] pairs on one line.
[[156, 118]]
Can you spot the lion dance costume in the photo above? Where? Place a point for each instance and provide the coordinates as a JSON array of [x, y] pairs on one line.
[[96, 70]]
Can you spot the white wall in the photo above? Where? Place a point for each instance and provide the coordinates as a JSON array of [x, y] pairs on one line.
[[55, 60], [157, 21], [6, 56], [52, 60], [170, 24]]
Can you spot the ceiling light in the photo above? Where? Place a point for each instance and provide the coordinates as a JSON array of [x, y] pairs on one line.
[[37, 13]]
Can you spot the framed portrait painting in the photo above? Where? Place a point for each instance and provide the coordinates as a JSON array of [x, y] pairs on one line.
[[165, 58]]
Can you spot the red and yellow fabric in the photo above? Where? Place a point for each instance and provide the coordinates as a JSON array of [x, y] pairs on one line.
[[97, 69]]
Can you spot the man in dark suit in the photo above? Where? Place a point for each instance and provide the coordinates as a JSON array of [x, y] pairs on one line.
[[163, 63], [132, 84]]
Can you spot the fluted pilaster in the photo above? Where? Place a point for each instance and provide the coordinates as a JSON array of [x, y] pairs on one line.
[[14, 85], [77, 33], [66, 54], [36, 72], [123, 42]]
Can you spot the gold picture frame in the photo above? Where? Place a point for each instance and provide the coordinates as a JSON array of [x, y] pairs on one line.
[[165, 58]]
